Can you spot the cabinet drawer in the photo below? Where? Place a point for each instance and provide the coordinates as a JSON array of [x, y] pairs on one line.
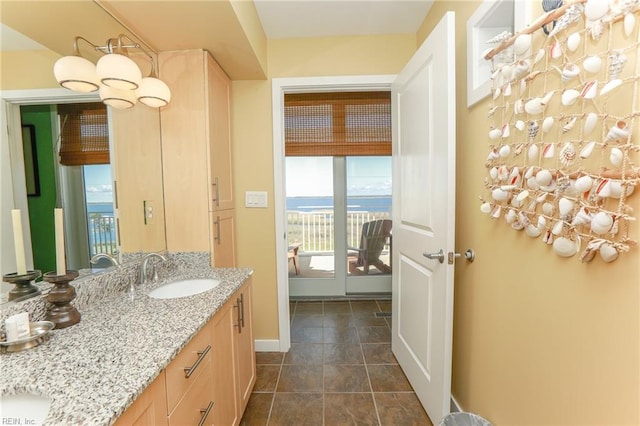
[[196, 407], [187, 366]]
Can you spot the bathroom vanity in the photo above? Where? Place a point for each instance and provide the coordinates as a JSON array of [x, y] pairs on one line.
[[128, 359]]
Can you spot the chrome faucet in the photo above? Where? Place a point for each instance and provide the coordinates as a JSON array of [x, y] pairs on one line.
[[148, 271], [94, 260]]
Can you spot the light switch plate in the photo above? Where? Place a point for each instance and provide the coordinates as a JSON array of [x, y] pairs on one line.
[[255, 199]]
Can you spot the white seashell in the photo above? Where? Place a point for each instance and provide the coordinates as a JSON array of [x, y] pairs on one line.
[[520, 125], [522, 44], [569, 124], [616, 82], [544, 177], [569, 97], [517, 225], [530, 172], [532, 183], [589, 90], [539, 56], [506, 131], [493, 155], [510, 216], [497, 93], [532, 153], [495, 133], [514, 176], [565, 247], [518, 106], [521, 68], [608, 253], [549, 188], [555, 51], [590, 122], [569, 72], [547, 124], [506, 71], [495, 213], [557, 228], [565, 206], [549, 150], [523, 86], [533, 231], [499, 195], [618, 131], [547, 238], [508, 187], [573, 42], [601, 223], [547, 98], [548, 209], [587, 150], [485, 207], [503, 173], [629, 23], [615, 189], [592, 64], [603, 188], [596, 9], [540, 198], [534, 106], [616, 156], [522, 196], [493, 173], [584, 184], [504, 151], [567, 154], [542, 222], [581, 218], [506, 92]]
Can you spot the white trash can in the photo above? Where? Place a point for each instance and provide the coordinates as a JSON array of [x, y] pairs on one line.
[[463, 419]]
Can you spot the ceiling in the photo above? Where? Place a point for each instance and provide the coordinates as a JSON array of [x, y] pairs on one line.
[[318, 18], [217, 26]]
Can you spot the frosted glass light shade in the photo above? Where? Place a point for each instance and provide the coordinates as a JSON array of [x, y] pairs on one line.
[[153, 92], [117, 98], [76, 73], [118, 71]]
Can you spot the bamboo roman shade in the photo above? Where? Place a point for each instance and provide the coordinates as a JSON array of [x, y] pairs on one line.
[[85, 134], [337, 124]]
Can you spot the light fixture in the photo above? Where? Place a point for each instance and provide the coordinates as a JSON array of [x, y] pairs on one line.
[[117, 77]]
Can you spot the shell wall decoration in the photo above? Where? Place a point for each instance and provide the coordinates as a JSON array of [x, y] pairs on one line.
[[564, 130]]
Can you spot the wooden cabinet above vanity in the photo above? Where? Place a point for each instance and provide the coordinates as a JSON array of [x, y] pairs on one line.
[[197, 156]]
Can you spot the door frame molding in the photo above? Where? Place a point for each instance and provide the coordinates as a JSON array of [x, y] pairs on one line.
[[279, 87]]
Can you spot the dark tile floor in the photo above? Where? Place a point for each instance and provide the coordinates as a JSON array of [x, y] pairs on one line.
[[339, 371]]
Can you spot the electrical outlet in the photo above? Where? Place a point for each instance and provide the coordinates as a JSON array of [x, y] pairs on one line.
[[255, 199], [148, 211]]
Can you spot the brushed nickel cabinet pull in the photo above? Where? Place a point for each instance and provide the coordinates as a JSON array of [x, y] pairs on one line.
[[239, 324], [218, 236], [188, 371], [241, 302], [205, 412], [216, 197]]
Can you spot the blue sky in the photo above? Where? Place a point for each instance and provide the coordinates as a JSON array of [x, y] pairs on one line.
[[98, 183], [313, 176]]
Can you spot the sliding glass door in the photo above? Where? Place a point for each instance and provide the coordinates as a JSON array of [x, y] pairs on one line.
[[339, 228]]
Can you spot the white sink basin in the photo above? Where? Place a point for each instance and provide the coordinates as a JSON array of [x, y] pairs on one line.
[[184, 288], [27, 408]]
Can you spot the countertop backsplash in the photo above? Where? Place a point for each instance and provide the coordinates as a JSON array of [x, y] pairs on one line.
[[93, 288]]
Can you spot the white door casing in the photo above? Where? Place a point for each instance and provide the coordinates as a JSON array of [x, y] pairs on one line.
[[423, 109]]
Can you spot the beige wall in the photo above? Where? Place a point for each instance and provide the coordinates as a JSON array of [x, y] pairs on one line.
[[27, 70], [537, 339], [253, 146]]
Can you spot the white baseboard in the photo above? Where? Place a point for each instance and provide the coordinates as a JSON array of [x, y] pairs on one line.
[[455, 407], [267, 345]]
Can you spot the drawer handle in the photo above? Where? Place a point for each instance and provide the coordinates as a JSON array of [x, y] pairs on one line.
[[205, 413], [188, 371]]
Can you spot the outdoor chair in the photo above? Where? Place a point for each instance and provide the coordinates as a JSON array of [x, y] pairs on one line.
[[292, 256], [375, 235]]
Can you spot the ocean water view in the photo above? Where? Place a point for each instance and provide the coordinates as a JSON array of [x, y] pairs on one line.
[[357, 203]]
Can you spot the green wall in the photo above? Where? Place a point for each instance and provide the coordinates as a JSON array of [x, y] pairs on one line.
[[41, 207]]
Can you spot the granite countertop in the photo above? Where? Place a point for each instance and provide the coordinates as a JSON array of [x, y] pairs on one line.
[[94, 370]]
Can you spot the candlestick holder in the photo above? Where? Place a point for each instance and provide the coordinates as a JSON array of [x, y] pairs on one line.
[[22, 284], [61, 312]]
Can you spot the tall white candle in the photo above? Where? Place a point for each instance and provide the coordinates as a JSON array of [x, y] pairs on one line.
[[61, 267], [18, 241]]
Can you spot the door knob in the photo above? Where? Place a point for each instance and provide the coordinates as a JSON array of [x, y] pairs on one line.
[[439, 256]]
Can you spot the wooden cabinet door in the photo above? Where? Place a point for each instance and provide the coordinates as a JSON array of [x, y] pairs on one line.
[[150, 408], [219, 130], [245, 352], [223, 242], [225, 397], [196, 406]]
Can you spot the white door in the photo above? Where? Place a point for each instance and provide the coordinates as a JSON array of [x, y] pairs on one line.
[[423, 102]]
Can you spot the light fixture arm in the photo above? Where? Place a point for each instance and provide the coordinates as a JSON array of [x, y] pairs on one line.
[[76, 49]]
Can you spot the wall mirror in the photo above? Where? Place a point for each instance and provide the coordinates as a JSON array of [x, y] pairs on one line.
[[134, 134]]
